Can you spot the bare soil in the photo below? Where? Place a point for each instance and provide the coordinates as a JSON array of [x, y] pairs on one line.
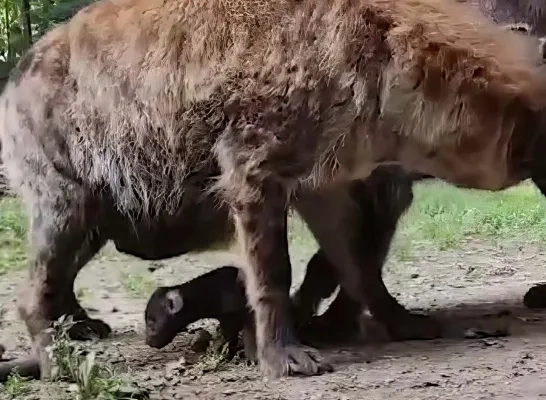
[[481, 284]]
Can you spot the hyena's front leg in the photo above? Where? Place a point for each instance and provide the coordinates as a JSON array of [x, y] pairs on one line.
[[259, 168], [262, 232]]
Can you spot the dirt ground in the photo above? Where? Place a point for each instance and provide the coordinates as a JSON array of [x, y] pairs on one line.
[[482, 283]]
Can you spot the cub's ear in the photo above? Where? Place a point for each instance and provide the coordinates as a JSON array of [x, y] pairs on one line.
[[174, 301]]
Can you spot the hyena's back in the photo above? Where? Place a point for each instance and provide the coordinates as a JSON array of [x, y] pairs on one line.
[[132, 95]]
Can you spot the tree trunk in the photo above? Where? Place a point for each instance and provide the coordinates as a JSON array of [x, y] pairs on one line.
[[44, 23], [27, 27], [9, 52]]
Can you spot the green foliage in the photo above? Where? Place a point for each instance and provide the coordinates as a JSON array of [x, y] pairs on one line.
[[44, 14], [445, 215], [90, 379], [139, 285], [13, 235], [16, 386], [64, 10]]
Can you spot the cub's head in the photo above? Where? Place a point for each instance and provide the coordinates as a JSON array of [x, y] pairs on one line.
[[165, 316]]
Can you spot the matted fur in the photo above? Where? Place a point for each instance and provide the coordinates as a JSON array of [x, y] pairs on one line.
[[141, 90]]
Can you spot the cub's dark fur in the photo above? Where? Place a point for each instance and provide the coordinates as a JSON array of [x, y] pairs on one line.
[[218, 294]]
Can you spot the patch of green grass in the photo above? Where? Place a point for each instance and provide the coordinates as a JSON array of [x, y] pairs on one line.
[[298, 233], [89, 379], [445, 215], [403, 250], [138, 284], [17, 386], [13, 235], [83, 293]]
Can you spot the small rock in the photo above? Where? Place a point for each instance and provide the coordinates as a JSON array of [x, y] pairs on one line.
[[115, 309], [480, 334], [72, 388], [157, 383], [529, 319], [425, 385], [413, 276], [176, 367], [173, 380], [491, 342], [200, 340]]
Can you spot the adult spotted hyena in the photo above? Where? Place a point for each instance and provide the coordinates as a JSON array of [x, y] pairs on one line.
[[382, 201], [126, 109]]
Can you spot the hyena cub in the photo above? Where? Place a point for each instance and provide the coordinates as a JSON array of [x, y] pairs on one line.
[[218, 294]]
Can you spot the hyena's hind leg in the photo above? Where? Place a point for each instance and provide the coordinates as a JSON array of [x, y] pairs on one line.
[[355, 234], [63, 239], [63, 216]]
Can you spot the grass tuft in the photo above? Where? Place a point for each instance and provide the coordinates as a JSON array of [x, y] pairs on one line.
[[89, 379], [138, 285], [445, 215], [17, 386], [13, 235]]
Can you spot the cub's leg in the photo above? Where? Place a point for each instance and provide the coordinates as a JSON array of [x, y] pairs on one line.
[[230, 326], [340, 321], [536, 295], [319, 283]]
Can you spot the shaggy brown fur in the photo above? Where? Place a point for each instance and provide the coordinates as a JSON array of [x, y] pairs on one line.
[[127, 100]]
